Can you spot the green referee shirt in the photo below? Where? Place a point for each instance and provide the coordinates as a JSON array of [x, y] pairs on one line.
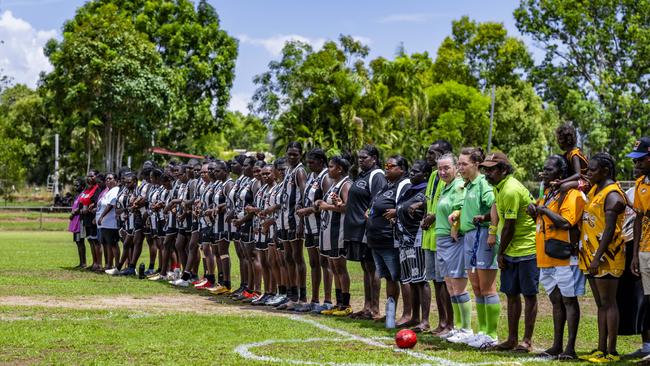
[[435, 186], [479, 198], [451, 199], [512, 200]]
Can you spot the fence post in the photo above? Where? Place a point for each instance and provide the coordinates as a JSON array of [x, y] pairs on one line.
[[40, 224]]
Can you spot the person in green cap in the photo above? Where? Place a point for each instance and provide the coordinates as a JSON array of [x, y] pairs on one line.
[[432, 192], [517, 251]]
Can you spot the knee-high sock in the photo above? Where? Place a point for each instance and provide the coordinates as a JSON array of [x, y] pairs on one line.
[[492, 312], [465, 307]]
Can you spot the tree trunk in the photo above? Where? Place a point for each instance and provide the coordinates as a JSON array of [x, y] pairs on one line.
[[119, 147], [88, 152], [108, 146]]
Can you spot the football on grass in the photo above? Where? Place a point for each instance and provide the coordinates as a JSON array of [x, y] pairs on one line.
[[406, 338]]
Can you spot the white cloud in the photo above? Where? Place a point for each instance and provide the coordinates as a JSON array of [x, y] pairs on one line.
[[22, 51], [239, 102], [274, 44], [406, 18]]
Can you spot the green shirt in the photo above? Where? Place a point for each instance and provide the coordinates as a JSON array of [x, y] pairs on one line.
[[451, 199], [479, 198], [512, 200], [429, 236]]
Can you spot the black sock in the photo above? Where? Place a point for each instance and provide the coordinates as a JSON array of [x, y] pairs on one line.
[[151, 265], [339, 296], [282, 290], [220, 277], [294, 293], [132, 266], [303, 294], [186, 276], [226, 284], [158, 270], [210, 278], [346, 299], [327, 302]]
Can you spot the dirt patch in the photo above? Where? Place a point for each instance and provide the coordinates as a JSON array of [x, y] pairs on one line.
[[153, 304]]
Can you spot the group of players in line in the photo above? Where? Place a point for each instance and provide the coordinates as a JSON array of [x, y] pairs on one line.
[[447, 219]]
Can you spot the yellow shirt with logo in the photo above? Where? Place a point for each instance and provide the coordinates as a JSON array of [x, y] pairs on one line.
[[612, 261], [571, 210], [642, 205]]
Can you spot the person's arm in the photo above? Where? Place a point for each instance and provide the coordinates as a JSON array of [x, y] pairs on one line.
[[614, 206], [638, 226], [108, 209]]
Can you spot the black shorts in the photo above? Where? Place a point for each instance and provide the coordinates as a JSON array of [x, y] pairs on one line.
[[91, 232], [138, 225], [357, 251], [160, 231], [171, 231], [207, 236], [311, 240], [278, 244], [195, 226], [335, 253], [287, 235], [520, 278], [110, 236], [262, 245]]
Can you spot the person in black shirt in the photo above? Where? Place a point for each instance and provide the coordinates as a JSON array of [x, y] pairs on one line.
[[368, 183], [381, 238], [411, 208]]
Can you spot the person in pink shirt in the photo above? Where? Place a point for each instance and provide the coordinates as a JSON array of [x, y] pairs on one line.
[[75, 223]]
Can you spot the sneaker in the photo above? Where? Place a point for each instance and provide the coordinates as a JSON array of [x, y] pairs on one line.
[[155, 277], [261, 300], [283, 301], [275, 300], [205, 286], [254, 297], [483, 341], [330, 311], [593, 354], [639, 353], [149, 272], [112, 272], [200, 282], [237, 292], [605, 358], [288, 305], [127, 272], [317, 308], [461, 336], [451, 333], [305, 307], [180, 283], [244, 295], [220, 290], [343, 312]]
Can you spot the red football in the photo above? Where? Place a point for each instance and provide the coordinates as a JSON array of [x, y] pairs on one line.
[[406, 338]]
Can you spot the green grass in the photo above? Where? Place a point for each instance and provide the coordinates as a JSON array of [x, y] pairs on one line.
[[49, 321], [20, 220]]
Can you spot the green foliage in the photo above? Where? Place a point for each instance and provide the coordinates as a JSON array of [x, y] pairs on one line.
[[596, 66]]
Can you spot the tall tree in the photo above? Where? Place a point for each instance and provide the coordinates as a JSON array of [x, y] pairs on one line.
[[596, 65], [199, 54], [108, 83], [481, 54]]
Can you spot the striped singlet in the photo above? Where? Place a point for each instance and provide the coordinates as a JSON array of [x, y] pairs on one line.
[[331, 235], [313, 192], [291, 197]]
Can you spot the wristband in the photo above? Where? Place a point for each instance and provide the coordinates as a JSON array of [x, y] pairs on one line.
[[492, 230]]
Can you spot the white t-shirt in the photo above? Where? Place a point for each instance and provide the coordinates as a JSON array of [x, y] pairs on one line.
[[109, 198]]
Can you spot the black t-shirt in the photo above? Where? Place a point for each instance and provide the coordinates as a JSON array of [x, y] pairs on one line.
[[407, 226], [380, 232], [360, 195]]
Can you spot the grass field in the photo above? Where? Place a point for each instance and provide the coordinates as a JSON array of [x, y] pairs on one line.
[[51, 314]]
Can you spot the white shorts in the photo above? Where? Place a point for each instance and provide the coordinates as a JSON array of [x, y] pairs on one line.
[[569, 279], [644, 268]]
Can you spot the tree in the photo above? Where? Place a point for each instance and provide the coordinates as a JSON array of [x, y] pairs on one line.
[[108, 83], [596, 66], [312, 96], [199, 55], [524, 128], [27, 119], [481, 54]]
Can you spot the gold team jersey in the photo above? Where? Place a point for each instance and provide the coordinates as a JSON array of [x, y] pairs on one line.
[[612, 261], [642, 206]]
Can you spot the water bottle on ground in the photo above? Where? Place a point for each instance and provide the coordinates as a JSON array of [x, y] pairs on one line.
[[141, 271], [390, 313]]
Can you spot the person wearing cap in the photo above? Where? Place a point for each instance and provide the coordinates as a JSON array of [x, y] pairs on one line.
[[641, 231], [516, 256]]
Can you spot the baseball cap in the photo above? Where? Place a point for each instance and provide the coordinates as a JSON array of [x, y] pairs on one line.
[[641, 148], [495, 158]]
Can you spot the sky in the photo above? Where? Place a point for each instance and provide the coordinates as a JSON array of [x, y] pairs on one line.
[[262, 27]]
